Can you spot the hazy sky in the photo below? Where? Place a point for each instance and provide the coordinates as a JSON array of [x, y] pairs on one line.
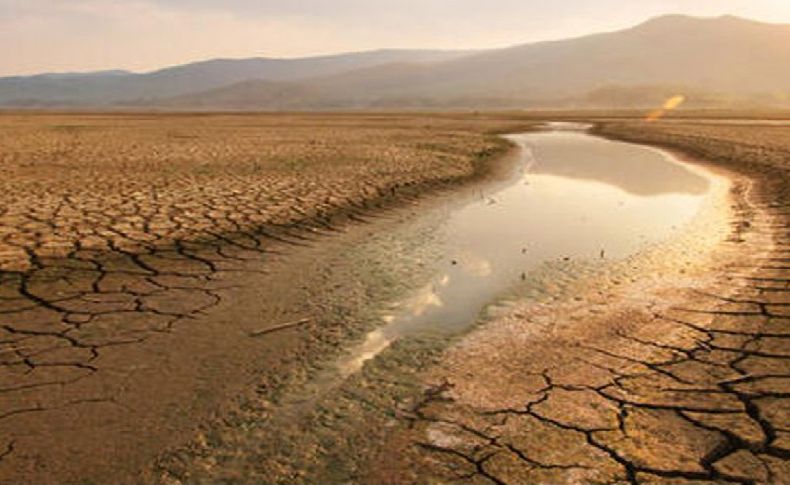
[[78, 35]]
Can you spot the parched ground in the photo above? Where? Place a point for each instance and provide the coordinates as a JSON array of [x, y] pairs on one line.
[[149, 274], [73, 183], [124, 237], [679, 373]]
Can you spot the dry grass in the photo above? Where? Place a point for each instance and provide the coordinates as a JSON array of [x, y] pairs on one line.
[[82, 181]]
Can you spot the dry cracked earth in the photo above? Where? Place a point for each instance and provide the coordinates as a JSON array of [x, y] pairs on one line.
[[118, 230], [123, 232]]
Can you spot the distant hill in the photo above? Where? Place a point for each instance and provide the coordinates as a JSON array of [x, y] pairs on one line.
[[251, 95], [715, 62], [75, 75], [110, 87]]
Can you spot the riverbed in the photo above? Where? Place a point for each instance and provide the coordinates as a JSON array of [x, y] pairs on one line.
[[573, 206]]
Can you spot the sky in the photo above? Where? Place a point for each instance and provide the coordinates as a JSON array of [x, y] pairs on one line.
[[142, 35]]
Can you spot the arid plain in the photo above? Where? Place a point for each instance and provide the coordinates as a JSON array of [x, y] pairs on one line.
[[171, 283]]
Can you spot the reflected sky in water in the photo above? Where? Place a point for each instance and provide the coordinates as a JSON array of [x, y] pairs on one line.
[[632, 168], [577, 195]]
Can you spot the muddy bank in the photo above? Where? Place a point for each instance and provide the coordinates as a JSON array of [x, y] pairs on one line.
[[111, 354]]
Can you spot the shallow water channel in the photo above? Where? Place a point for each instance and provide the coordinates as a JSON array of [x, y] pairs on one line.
[[575, 197]]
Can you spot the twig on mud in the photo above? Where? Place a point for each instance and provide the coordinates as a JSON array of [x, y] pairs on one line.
[[282, 326]]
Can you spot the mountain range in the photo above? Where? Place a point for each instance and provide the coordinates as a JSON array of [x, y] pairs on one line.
[[715, 62]]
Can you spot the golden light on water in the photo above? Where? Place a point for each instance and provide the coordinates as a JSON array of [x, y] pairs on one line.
[[670, 104]]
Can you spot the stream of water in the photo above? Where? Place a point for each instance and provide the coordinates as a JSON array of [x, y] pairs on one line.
[[576, 197]]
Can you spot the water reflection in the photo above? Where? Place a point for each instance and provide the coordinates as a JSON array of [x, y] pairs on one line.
[[425, 298], [579, 197], [632, 168]]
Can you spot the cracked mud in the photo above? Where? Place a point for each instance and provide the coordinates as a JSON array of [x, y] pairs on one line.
[[123, 238], [680, 377]]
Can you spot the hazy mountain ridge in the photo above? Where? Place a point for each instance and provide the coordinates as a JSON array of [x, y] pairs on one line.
[[718, 61], [110, 87], [722, 55]]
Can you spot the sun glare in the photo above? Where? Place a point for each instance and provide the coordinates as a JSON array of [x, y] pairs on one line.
[[671, 103]]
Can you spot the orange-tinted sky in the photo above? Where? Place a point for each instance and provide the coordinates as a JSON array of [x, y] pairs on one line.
[[80, 35]]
